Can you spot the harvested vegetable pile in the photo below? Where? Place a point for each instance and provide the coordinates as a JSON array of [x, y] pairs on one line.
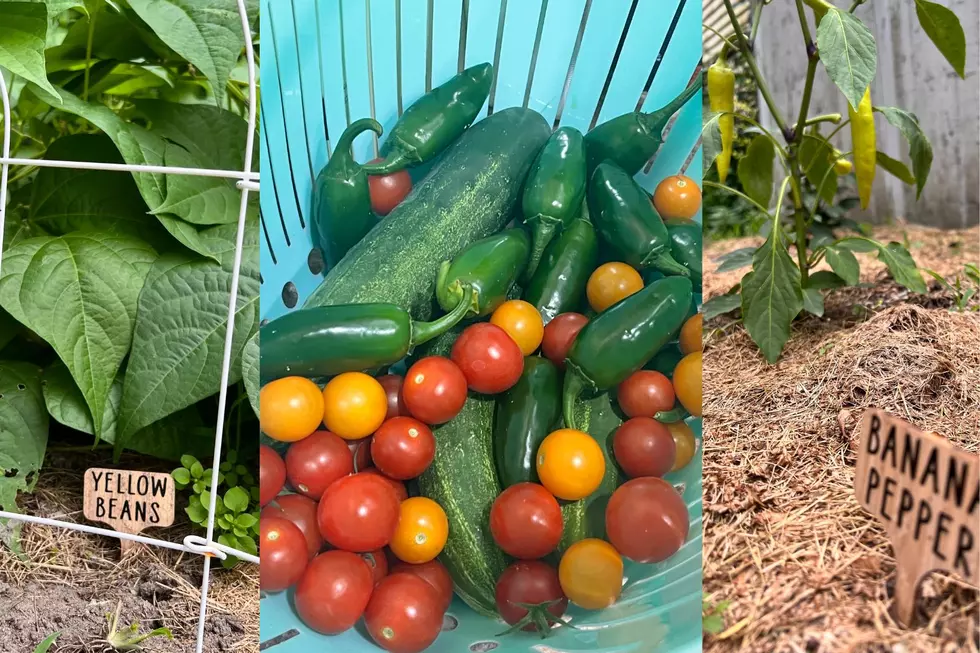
[[805, 568]]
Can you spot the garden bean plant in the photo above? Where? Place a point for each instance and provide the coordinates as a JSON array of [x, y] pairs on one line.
[[778, 288], [114, 286]]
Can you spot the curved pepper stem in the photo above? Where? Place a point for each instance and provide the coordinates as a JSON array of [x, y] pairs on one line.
[[676, 414], [575, 385], [396, 161], [425, 331], [354, 130], [655, 121]]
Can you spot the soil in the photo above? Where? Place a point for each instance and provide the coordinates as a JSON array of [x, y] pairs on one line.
[[69, 582], [803, 566]]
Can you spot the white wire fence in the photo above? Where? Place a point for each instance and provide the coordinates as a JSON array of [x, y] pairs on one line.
[[247, 181]]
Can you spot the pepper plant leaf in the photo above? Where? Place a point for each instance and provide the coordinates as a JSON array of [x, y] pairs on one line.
[[813, 301], [710, 140], [945, 31], [895, 168], [772, 296], [755, 170], [720, 304], [844, 264], [920, 149], [735, 259], [23, 36], [848, 52], [824, 280], [901, 266], [816, 159]]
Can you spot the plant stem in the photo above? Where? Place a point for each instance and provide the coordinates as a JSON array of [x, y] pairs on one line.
[[756, 19], [824, 117], [88, 51], [719, 35]]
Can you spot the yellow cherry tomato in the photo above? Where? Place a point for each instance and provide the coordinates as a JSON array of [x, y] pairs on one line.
[[422, 531], [522, 322], [677, 198], [570, 464], [610, 283], [690, 338], [591, 574], [354, 405], [290, 408], [687, 383], [684, 444]]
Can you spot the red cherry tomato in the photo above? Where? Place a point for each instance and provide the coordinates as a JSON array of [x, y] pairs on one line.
[[644, 447], [526, 521], [645, 393], [435, 574], [559, 334], [361, 451], [647, 520], [315, 462], [334, 592], [282, 554], [358, 513], [490, 359], [272, 474], [403, 447], [403, 614], [435, 390], [387, 191], [301, 511], [392, 383], [529, 582], [400, 491], [377, 562]]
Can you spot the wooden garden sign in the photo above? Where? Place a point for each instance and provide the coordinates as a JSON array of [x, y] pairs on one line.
[[925, 491], [129, 501]]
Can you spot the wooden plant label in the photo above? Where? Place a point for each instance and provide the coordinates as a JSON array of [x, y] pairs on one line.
[[129, 501], [925, 491]]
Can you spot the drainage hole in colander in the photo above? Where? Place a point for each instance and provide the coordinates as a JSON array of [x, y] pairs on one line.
[[480, 647], [449, 622], [289, 294], [315, 260]]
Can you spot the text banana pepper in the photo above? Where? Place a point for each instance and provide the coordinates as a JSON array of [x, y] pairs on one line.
[[627, 222], [630, 140], [621, 339], [342, 213], [434, 121], [489, 267], [865, 147], [721, 98], [330, 340], [554, 190]]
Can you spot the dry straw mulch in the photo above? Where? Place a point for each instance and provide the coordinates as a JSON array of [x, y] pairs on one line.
[[805, 568]]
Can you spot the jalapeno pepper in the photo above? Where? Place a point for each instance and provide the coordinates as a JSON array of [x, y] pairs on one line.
[[665, 360], [489, 267], [621, 339], [526, 414], [342, 213], [554, 190], [631, 139], [686, 244], [330, 340], [434, 121], [627, 222], [559, 282]]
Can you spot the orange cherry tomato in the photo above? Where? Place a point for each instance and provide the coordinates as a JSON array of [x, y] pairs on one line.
[[522, 322], [684, 443], [610, 283], [687, 383], [290, 408], [354, 405], [591, 574], [690, 338], [422, 531], [570, 464], [677, 198]]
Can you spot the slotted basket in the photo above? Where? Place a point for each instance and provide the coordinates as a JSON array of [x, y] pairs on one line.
[[578, 63]]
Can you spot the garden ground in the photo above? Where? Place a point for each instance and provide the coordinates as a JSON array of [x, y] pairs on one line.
[[805, 568], [69, 580]]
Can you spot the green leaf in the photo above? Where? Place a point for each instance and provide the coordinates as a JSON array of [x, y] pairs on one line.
[[815, 158], [208, 33], [188, 460], [236, 499], [11, 328], [895, 168], [23, 36], [178, 343], [813, 301], [46, 643], [247, 545], [23, 435], [736, 259], [755, 170], [710, 140], [197, 471], [824, 280], [920, 149], [943, 28], [244, 520], [197, 513], [182, 476], [862, 245], [250, 370], [78, 292], [712, 624], [844, 264], [720, 304], [848, 52], [901, 266], [771, 296]]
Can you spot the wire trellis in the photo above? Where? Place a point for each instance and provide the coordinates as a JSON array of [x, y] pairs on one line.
[[247, 181]]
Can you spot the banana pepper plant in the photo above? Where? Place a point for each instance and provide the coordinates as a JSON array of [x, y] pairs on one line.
[[778, 288]]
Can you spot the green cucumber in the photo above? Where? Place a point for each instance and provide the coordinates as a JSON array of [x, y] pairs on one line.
[[463, 480], [470, 194]]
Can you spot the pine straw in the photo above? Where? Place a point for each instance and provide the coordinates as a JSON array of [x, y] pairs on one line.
[[805, 568]]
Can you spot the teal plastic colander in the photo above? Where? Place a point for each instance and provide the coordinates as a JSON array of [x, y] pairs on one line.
[[577, 62]]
